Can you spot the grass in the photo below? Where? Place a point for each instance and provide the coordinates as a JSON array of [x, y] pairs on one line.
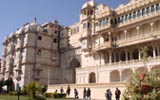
[[8, 97]]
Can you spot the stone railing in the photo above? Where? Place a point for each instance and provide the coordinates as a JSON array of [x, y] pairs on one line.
[[138, 39], [140, 18], [124, 64], [99, 28], [102, 46]]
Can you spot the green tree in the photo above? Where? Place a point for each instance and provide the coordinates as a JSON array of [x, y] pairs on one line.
[[33, 88], [147, 89]]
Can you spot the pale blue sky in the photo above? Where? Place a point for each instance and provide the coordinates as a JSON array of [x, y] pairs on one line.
[[14, 13]]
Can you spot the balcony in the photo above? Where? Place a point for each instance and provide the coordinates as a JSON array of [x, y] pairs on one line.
[[122, 65], [102, 46], [140, 19], [101, 28], [138, 39], [85, 33]]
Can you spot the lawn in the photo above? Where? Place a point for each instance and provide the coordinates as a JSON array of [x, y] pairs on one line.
[[8, 97]]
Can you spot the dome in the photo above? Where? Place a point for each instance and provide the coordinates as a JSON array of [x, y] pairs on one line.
[[90, 3], [32, 27]]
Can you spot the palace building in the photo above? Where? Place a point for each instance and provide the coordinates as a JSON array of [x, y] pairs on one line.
[[103, 47]]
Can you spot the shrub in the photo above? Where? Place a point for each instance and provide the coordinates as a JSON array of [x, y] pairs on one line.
[[15, 93], [48, 95]]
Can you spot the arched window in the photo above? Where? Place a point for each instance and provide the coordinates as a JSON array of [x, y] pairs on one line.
[[84, 25], [92, 78]]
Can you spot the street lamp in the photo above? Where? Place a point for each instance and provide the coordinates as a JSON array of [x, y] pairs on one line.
[[18, 78]]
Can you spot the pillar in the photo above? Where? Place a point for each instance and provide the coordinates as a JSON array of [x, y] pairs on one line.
[[139, 54], [125, 34], [137, 30], [126, 54], [120, 75], [154, 51], [110, 57], [151, 24]]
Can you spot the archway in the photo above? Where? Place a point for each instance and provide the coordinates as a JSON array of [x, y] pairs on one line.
[[126, 73], [92, 77], [71, 72], [157, 67], [114, 76], [143, 70]]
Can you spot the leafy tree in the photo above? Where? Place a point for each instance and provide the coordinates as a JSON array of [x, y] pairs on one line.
[[33, 88], [147, 89], [44, 89]]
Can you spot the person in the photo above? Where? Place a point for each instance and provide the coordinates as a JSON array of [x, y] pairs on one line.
[[68, 90], [84, 93], [108, 94], [88, 93], [55, 91], [61, 90], [76, 94], [117, 94]]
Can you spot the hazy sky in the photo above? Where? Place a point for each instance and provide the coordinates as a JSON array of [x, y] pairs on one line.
[[14, 13]]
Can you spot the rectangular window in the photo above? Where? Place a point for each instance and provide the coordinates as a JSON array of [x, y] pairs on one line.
[[39, 52], [122, 19], [39, 37], [130, 16], [152, 8], [134, 14], [147, 10], [143, 12], [55, 40], [138, 13], [157, 7], [126, 17]]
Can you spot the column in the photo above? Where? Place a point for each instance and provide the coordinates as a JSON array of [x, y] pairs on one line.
[[99, 59], [139, 54], [120, 75], [137, 30], [126, 55], [151, 24], [131, 57], [99, 37], [110, 57], [114, 56], [154, 51], [119, 57], [125, 34], [110, 39]]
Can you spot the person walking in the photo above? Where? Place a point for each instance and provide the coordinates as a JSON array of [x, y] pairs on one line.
[[84, 93], [117, 94], [76, 94], [61, 90], [88, 93], [108, 94]]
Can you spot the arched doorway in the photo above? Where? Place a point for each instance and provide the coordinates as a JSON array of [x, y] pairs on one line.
[[115, 76], [92, 77], [126, 73], [71, 72]]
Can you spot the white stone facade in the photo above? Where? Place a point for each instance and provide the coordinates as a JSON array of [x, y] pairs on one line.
[[103, 47]]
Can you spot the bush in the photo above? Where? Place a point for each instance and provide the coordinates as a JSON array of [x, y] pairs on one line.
[[48, 95], [37, 98], [55, 95], [59, 95], [15, 93]]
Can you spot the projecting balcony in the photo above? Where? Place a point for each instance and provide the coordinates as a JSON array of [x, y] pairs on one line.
[[152, 15], [138, 39], [102, 46], [101, 28], [123, 65], [85, 33]]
